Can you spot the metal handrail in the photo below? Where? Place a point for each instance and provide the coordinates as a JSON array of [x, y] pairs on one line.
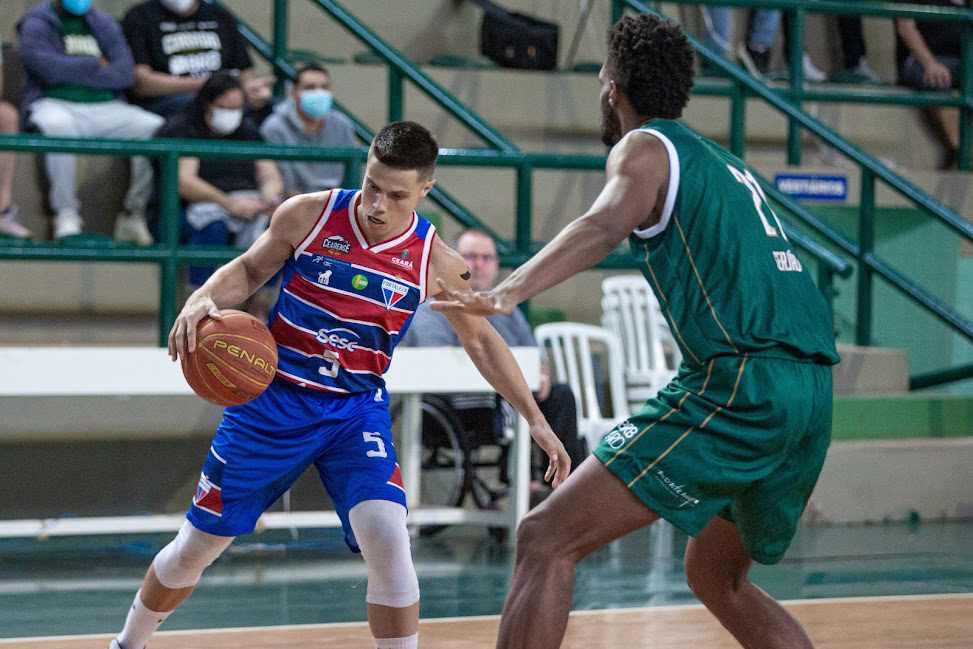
[[170, 256]]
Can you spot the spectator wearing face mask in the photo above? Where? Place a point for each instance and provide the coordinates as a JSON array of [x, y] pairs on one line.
[[77, 66], [178, 44], [307, 118], [228, 201]]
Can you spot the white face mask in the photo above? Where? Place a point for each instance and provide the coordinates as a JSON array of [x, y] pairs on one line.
[[178, 6], [225, 120]]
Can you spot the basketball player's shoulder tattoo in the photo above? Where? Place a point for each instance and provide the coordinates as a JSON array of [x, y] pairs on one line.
[[465, 275]]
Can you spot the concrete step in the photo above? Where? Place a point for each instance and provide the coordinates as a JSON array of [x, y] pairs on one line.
[[871, 370]]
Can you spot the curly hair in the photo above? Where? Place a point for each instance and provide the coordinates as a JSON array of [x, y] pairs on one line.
[[406, 145], [652, 61]]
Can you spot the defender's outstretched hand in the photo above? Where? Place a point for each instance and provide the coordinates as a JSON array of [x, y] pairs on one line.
[[559, 463], [484, 303]]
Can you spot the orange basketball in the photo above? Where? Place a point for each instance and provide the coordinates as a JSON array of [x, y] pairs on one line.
[[235, 359]]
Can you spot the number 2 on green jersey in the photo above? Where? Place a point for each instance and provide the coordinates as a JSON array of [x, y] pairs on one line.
[[759, 200]]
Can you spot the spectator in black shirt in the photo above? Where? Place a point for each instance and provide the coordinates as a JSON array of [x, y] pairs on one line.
[[929, 59], [227, 200], [178, 44]]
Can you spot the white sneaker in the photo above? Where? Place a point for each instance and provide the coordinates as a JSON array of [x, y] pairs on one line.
[[114, 644], [67, 223], [811, 71], [865, 70], [10, 225], [132, 228]]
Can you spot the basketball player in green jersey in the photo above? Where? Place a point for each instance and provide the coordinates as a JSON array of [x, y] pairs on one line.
[[730, 450]]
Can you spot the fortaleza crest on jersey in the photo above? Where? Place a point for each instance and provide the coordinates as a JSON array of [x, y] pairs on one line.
[[393, 291]]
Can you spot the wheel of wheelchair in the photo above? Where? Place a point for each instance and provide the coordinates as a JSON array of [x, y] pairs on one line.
[[444, 462]]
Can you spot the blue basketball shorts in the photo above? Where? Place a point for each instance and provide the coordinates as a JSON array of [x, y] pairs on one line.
[[262, 447]]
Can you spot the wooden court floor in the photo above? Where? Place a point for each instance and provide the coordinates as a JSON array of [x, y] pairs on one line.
[[911, 622]]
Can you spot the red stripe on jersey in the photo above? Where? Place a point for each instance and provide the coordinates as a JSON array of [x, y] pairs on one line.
[[346, 304], [302, 340], [359, 360]]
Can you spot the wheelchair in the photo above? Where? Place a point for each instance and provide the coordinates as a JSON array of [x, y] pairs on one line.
[[464, 459]]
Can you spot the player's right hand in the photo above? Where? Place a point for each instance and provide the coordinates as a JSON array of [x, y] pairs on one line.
[[559, 462], [182, 337]]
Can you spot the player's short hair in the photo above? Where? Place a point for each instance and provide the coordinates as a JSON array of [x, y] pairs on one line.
[[652, 61], [311, 67], [406, 145]]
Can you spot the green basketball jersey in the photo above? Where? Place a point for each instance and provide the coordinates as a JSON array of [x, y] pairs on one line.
[[720, 264]]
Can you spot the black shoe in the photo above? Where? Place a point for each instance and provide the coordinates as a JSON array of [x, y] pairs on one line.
[[756, 63], [949, 159]]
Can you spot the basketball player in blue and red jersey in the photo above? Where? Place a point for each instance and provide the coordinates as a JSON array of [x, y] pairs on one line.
[[356, 265]]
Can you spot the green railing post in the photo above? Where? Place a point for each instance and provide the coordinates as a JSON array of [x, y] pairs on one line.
[[396, 94], [966, 92], [618, 10], [525, 201], [866, 244], [169, 229], [738, 117], [796, 54], [280, 42], [826, 285]]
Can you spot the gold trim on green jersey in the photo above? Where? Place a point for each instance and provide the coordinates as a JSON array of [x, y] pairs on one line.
[[672, 321], [699, 279], [676, 443]]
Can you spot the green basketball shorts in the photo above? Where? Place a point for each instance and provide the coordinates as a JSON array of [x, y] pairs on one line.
[[741, 437]]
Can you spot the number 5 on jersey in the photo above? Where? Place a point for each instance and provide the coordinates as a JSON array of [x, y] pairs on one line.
[[377, 439], [759, 200]]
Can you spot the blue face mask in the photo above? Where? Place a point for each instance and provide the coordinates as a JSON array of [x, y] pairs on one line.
[[316, 103], [76, 7]]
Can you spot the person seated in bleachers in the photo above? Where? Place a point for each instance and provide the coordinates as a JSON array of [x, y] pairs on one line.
[[10, 225], [430, 328], [77, 66], [307, 118], [928, 53], [178, 44], [228, 201]]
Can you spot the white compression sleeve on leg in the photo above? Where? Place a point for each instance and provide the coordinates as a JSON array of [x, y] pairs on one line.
[[181, 563], [379, 527]]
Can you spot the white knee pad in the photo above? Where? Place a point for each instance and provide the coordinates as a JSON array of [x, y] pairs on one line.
[[181, 563], [379, 527]]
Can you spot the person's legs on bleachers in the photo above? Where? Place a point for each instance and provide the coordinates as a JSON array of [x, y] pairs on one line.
[[761, 34], [125, 121], [942, 120], [9, 224], [57, 118]]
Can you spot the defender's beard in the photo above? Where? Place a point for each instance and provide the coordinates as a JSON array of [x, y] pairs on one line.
[[611, 126]]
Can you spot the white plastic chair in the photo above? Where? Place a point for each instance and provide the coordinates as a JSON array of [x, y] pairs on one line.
[[572, 349], [631, 311]]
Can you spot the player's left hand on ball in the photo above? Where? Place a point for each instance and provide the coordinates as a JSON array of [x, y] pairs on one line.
[[559, 463], [182, 337]]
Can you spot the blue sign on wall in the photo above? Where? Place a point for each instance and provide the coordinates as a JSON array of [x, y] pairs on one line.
[[813, 187]]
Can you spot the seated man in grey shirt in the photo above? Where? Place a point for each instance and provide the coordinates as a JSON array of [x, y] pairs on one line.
[[307, 118], [430, 329]]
